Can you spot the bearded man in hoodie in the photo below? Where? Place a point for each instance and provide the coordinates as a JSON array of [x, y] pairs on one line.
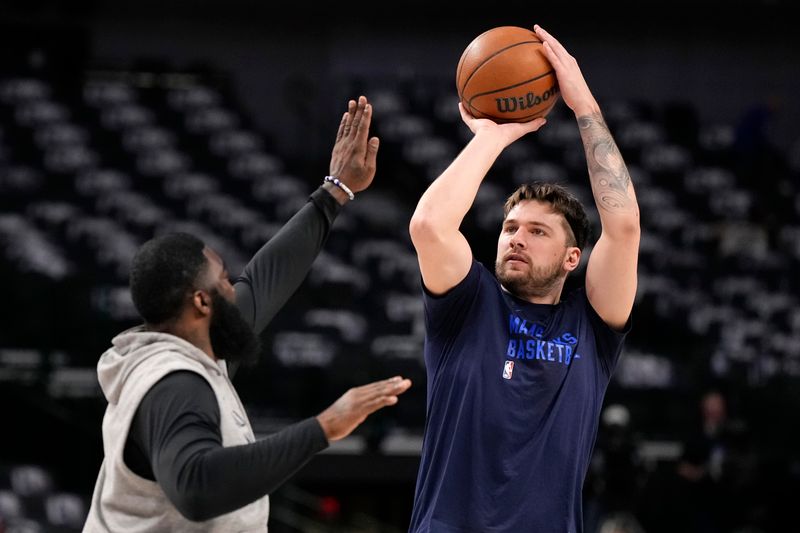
[[180, 454]]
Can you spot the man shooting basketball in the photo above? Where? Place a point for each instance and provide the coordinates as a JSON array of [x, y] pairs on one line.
[[516, 373]]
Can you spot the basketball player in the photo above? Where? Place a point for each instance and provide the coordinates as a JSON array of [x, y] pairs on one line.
[[517, 370], [180, 454]]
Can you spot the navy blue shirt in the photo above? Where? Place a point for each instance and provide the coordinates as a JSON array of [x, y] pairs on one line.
[[515, 391]]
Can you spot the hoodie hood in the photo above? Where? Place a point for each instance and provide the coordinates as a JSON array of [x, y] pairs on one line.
[[132, 347]]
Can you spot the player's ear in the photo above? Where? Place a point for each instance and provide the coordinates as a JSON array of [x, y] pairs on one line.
[[201, 302], [572, 259]]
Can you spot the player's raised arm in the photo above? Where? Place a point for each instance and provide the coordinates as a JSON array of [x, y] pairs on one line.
[[444, 254], [611, 271]]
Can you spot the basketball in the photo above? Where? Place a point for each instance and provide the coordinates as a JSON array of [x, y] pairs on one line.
[[504, 75]]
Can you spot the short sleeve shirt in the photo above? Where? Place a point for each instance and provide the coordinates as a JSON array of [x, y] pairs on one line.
[[514, 396]]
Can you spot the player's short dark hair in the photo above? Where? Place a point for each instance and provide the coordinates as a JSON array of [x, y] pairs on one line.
[[163, 273], [563, 201]]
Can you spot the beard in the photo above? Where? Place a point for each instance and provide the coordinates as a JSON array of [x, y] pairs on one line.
[[534, 281], [232, 338]]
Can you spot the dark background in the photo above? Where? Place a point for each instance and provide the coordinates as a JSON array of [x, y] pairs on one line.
[[287, 70]]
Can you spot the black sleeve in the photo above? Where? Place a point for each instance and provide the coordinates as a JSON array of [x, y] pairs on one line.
[[177, 428], [280, 266]]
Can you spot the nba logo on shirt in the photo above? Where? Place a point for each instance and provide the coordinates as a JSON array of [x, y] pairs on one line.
[[508, 370]]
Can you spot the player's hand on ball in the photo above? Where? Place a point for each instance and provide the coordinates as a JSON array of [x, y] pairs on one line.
[[574, 90], [354, 155], [507, 133]]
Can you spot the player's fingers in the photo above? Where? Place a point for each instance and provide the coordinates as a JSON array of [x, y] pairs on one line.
[[552, 41], [372, 153], [398, 387], [379, 402], [359, 113], [340, 133], [389, 400], [363, 126], [393, 385], [551, 56], [538, 123], [549, 39], [351, 107], [465, 116]]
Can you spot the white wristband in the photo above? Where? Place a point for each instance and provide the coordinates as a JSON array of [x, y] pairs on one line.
[[336, 181]]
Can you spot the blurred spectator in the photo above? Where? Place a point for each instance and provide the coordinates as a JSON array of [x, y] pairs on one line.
[[693, 500], [709, 488]]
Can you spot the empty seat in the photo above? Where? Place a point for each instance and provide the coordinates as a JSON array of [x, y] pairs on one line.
[[387, 102], [351, 327], [20, 180], [380, 213], [70, 158], [60, 134], [228, 143], [731, 203], [147, 138], [19, 90], [446, 109], [407, 309], [30, 480], [210, 120], [81, 382], [665, 158], [193, 97], [426, 149], [559, 134], [30, 250], [529, 171], [708, 180], [716, 137], [124, 116], [340, 281], [643, 370], [258, 167], [399, 127], [130, 207], [96, 181], [162, 161], [99, 93], [186, 185], [303, 349], [41, 112], [10, 507], [66, 510], [398, 347]]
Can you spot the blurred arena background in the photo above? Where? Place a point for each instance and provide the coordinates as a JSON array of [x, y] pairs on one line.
[[122, 119]]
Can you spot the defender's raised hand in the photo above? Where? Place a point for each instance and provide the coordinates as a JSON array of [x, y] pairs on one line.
[[354, 155]]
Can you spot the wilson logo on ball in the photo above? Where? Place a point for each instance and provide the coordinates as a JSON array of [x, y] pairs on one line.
[[530, 100]]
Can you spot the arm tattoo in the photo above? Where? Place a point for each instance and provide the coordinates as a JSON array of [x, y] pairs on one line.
[[607, 171]]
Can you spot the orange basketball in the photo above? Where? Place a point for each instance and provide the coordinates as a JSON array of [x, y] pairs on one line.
[[504, 75]]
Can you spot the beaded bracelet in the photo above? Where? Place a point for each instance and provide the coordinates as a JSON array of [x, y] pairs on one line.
[[336, 181]]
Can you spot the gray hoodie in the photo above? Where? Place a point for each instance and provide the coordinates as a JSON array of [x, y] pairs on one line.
[[123, 501]]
